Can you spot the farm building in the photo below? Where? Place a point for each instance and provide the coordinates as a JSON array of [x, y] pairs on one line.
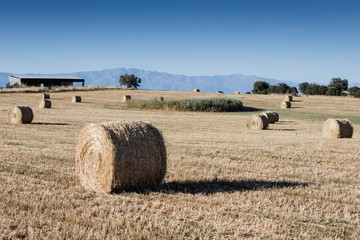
[[44, 80]]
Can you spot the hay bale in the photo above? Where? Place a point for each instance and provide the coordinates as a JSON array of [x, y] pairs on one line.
[[76, 99], [20, 114], [288, 98], [196, 90], [257, 122], [338, 128], [276, 116], [46, 96], [285, 104], [44, 103], [236, 92], [270, 116], [118, 155], [126, 98]]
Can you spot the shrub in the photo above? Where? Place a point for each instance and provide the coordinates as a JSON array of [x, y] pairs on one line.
[[202, 105]]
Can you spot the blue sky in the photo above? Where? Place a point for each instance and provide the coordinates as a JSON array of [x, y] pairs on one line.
[[293, 40]]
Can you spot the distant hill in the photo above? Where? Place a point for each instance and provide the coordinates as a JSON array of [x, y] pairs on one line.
[[153, 80]]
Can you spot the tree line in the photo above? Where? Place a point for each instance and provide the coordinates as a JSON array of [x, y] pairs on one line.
[[262, 87], [336, 87]]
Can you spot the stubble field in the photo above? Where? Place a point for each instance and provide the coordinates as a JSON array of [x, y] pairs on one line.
[[223, 181]]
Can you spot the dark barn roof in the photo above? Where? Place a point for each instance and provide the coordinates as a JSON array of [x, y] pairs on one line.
[[46, 80], [48, 77]]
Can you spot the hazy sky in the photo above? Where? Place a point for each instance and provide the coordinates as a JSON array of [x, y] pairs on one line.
[[294, 40]]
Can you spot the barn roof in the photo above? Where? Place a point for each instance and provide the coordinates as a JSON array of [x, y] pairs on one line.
[[54, 77]]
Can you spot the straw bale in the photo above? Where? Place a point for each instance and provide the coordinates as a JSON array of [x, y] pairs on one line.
[[118, 155], [44, 103], [285, 104], [196, 90], [276, 116], [270, 116], [46, 96], [236, 92], [20, 114], [76, 99], [257, 122], [288, 98], [126, 98], [338, 128]]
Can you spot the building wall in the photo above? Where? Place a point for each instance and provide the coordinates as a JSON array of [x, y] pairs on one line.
[[13, 80]]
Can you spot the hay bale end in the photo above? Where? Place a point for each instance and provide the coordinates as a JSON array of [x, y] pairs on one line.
[[76, 99], [285, 104], [46, 96], [126, 98], [338, 128], [119, 155], [270, 116], [45, 103], [258, 122], [20, 114]]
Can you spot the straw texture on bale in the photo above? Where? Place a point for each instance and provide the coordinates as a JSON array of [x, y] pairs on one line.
[[20, 114], [196, 90], [276, 116], [236, 92], [338, 128], [257, 122], [119, 155], [76, 99], [126, 98], [46, 96], [45, 103], [285, 104], [270, 116], [288, 98]]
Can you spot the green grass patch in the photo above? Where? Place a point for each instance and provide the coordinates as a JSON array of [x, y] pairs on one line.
[[201, 105]]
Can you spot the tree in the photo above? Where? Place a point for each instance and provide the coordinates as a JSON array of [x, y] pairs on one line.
[[260, 87], [284, 88], [336, 86], [303, 86], [293, 90], [273, 89], [322, 90], [312, 89], [354, 91], [130, 80]]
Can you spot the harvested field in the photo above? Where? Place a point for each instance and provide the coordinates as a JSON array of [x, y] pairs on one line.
[[223, 180]]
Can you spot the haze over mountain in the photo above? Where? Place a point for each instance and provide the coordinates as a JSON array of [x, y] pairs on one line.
[[153, 80]]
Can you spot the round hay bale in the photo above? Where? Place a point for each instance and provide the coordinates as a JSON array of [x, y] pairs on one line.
[[45, 103], [196, 90], [270, 116], [76, 99], [236, 92], [117, 155], [257, 122], [20, 114], [288, 98], [285, 104], [338, 128], [276, 116], [126, 98], [46, 96]]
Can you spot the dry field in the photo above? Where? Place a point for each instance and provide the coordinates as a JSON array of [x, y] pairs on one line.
[[224, 181]]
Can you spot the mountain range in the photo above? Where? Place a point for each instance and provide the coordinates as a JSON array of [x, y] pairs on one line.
[[153, 80]]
